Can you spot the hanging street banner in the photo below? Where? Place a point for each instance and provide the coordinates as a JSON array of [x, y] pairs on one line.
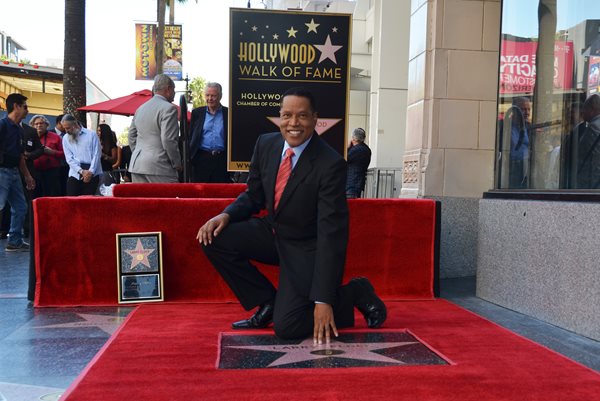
[[172, 63], [272, 51], [145, 51]]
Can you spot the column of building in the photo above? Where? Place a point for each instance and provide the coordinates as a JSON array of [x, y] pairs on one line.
[[451, 117]]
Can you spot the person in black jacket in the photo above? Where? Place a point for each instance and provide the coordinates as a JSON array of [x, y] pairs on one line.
[[12, 165], [588, 143], [32, 149], [299, 179], [359, 157]]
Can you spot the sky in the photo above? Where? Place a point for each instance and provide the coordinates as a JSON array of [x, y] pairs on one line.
[[38, 25], [520, 16]]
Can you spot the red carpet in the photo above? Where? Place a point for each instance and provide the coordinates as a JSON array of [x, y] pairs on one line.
[[169, 351]]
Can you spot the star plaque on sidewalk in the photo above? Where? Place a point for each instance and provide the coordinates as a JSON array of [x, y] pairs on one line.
[[139, 267], [350, 349]]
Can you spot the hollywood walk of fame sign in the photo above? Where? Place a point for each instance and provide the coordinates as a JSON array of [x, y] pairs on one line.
[[350, 349], [139, 267], [273, 51]]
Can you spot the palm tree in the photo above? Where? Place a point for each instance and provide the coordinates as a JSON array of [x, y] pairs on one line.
[[74, 94], [160, 35]]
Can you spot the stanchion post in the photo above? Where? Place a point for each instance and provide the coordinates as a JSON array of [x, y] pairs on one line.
[[184, 135]]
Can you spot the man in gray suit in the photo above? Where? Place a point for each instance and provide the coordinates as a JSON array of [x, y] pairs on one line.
[[153, 136]]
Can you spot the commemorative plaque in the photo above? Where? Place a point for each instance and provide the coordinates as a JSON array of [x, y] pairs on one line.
[[139, 267]]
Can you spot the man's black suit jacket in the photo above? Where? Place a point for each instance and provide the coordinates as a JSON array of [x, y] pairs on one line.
[[311, 222], [197, 124]]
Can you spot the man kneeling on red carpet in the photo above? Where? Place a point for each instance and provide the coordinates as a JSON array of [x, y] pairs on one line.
[[301, 181]]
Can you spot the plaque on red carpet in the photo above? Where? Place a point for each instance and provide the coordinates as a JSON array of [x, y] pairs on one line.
[[358, 348], [139, 267]]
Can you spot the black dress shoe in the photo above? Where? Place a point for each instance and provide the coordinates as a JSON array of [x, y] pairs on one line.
[[368, 303], [261, 318]]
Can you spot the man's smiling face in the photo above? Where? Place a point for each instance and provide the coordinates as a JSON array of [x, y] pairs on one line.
[[298, 120]]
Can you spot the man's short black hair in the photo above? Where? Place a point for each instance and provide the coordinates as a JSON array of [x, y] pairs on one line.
[[302, 92], [12, 99], [59, 118]]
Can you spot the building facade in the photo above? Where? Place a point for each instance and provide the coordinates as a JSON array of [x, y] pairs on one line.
[[476, 100]]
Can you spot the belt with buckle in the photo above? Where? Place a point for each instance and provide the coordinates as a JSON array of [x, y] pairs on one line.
[[213, 152]]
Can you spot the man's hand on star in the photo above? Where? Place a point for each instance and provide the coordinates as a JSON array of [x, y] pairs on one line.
[[324, 324]]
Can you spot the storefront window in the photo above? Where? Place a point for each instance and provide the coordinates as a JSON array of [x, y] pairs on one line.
[[548, 135]]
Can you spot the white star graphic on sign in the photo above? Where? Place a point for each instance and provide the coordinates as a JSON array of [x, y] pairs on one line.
[[291, 32], [107, 324], [328, 50], [312, 27], [275, 36], [334, 29], [254, 28], [307, 351]]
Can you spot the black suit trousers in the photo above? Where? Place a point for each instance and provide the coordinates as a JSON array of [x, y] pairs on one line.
[[231, 253], [77, 187], [210, 168]]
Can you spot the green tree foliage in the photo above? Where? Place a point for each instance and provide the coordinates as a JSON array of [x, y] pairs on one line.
[[122, 137], [196, 88]]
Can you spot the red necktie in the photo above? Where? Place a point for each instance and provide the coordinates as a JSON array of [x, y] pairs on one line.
[[285, 169]]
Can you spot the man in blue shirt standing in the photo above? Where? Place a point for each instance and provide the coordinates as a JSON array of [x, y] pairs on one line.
[[208, 145], [11, 162]]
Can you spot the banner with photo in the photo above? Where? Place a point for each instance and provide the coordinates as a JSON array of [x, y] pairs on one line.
[[145, 51], [172, 62], [145, 45], [272, 51]]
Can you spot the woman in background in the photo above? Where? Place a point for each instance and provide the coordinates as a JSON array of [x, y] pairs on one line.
[[109, 152]]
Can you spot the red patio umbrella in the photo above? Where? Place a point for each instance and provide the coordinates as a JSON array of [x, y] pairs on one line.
[[124, 106]]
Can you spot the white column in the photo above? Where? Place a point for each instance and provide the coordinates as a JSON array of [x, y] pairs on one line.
[[452, 89], [389, 81]]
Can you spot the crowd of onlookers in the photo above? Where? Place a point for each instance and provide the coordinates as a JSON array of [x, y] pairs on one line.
[[71, 160], [47, 151]]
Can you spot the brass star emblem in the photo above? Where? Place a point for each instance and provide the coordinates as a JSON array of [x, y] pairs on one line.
[[139, 255]]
